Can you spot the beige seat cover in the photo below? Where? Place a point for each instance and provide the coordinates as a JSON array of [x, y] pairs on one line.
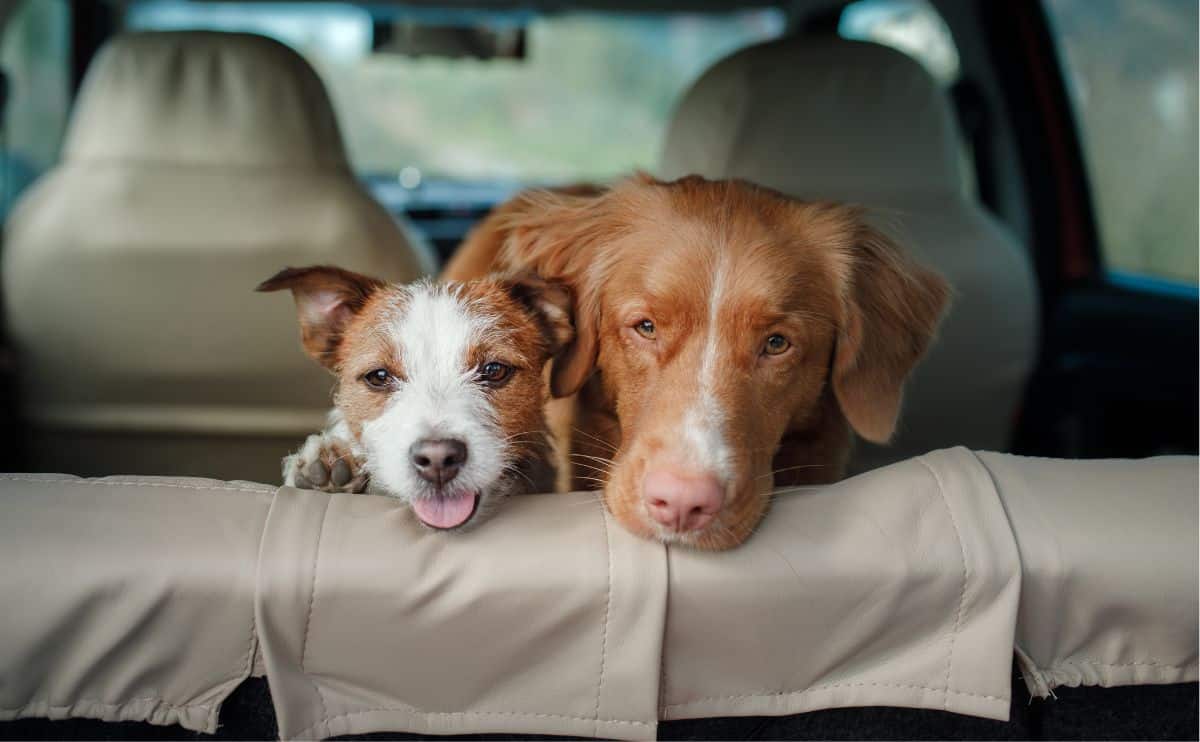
[[127, 598], [1110, 589], [821, 118], [142, 598], [195, 166]]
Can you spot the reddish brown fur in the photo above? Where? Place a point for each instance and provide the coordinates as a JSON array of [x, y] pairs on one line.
[[342, 312], [857, 310]]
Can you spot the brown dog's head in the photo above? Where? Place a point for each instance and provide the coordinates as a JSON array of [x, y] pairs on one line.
[[721, 317], [441, 386]]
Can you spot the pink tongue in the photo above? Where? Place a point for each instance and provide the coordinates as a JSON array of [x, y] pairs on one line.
[[445, 512]]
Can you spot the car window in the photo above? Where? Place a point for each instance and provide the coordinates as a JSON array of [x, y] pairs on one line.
[[910, 26], [35, 57], [1130, 70], [590, 100]]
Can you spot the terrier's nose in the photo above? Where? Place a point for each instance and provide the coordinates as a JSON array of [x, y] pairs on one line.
[[682, 501], [438, 461]]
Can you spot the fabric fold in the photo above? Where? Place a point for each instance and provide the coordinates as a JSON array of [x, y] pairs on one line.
[[895, 588], [1108, 552], [545, 619], [127, 598]]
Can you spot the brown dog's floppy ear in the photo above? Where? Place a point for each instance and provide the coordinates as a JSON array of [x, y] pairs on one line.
[[891, 310], [574, 365], [550, 304], [558, 235], [327, 298]]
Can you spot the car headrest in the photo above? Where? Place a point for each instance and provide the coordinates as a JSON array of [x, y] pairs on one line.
[[170, 97], [818, 116]]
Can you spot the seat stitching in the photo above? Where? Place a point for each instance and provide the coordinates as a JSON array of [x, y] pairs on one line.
[[810, 689], [250, 650], [93, 702], [1098, 663], [304, 732], [312, 599], [92, 482], [962, 599], [607, 614]]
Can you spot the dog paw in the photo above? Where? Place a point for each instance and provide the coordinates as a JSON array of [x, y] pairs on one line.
[[325, 463]]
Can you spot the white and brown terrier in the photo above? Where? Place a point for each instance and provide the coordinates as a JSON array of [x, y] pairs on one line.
[[440, 388]]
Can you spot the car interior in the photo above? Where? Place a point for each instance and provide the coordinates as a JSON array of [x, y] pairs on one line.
[[162, 157]]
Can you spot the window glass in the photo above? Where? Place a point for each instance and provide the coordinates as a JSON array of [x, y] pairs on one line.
[[35, 57], [1130, 70], [909, 26], [590, 100]]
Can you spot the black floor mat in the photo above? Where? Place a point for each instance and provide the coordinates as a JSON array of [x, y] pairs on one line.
[[1158, 712]]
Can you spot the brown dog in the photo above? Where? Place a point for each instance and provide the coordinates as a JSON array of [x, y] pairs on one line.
[[728, 338]]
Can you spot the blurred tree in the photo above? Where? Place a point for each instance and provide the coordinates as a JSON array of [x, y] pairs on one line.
[[1132, 75]]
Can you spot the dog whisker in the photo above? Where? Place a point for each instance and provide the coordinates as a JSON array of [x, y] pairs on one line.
[[790, 468], [584, 466], [790, 490], [601, 459], [592, 476], [594, 479], [595, 438], [516, 469], [592, 470], [525, 433], [591, 465]]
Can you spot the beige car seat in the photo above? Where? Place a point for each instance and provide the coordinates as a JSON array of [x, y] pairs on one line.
[[195, 166], [824, 118]]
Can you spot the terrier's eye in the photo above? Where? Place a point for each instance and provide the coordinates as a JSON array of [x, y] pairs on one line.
[[645, 328], [380, 378], [775, 345], [494, 373]]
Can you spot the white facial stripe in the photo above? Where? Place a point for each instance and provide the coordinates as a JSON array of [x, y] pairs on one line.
[[704, 422], [434, 336], [440, 397]]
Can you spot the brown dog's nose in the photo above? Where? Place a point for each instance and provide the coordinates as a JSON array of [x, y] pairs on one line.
[[682, 501], [438, 461]]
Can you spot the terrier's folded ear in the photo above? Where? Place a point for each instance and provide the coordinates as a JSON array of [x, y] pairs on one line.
[[327, 299]]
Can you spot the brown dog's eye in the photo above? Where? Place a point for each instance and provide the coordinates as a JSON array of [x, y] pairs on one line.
[[645, 328], [380, 378], [775, 345], [494, 373]]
